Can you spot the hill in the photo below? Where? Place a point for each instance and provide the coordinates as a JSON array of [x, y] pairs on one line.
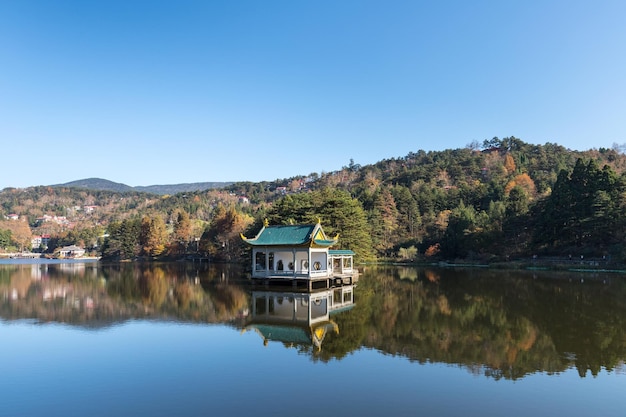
[[96, 184], [106, 185], [499, 200]]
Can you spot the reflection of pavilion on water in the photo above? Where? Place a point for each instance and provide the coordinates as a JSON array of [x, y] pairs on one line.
[[298, 318]]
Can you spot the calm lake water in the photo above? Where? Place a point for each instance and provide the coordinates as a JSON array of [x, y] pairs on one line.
[[197, 340]]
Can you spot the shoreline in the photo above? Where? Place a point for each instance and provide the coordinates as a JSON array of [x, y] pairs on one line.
[[528, 265], [42, 260]]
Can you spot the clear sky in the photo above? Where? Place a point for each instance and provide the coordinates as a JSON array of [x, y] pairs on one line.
[[163, 92]]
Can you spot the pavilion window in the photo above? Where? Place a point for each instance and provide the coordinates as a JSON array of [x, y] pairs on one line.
[[347, 263], [337, 263], [259, 261]]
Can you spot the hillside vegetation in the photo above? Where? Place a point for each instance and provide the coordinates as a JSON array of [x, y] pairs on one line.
[[499, 200]]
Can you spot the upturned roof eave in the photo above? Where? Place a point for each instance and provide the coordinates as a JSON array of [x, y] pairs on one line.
[[276, 239]]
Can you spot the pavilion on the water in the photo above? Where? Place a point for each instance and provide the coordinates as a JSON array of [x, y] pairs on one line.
[[299, 253]]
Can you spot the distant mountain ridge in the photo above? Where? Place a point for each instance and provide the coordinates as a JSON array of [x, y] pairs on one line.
[[106, 185]]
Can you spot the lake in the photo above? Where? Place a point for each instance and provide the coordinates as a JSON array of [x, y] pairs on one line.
[[184, 339]]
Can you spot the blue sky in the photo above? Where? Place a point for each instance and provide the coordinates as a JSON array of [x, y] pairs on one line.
[[163, 92]]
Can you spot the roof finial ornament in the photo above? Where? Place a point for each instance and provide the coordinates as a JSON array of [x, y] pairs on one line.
[[266, 222], [319, 220]]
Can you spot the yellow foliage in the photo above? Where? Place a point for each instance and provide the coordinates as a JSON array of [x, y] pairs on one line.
[[509, 164], [154, 286], [442, 219], [21, 234], [524, 181], [443, 305], [529, 339], [509, 186], [511, 355]]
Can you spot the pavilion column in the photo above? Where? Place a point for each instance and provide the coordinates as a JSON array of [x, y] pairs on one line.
[[308, 259], [267, 305]]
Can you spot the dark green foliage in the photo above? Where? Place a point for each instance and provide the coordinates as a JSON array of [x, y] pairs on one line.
[[512, 325], [584, 211], [409, 218], [461, 232], [5, 238], [124, 240], [338, 213]]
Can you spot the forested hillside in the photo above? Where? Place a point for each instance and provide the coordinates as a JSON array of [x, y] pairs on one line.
[[494, 201]]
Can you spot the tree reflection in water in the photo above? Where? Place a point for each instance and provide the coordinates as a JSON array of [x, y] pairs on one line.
[[505, 324], [502, 324]]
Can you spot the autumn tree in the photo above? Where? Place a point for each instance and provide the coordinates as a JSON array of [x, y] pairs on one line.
[[524, 182], [182, 231], [222, 239], [509, 164], [154, 235], [21, 234]]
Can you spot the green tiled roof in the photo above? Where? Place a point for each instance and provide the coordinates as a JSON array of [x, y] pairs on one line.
[[287, 334], [290, 235], [340, 252], [284, 235], [295, 334]]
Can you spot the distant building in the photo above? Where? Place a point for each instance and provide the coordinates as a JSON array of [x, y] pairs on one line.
[[37, 242], [71, 252], [89, 209], [13, 216]]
